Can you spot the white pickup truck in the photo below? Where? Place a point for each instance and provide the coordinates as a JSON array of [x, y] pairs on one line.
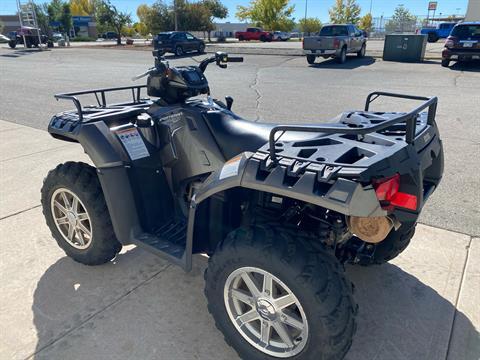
[[335, 41]]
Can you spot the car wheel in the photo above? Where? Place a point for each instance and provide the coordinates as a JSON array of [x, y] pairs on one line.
[[311, 59], [263, 38], [77, 215], [445, 62], [343, 56], [362, 51], [241, 38], [432, 37], [276, 293], [12, 44], [179, 51], [201, 48]]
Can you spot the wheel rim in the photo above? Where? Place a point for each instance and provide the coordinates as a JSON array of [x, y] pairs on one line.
[[265, 312], [179, 51], [71, 218]]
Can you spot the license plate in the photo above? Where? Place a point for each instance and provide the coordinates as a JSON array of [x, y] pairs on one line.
[[476, 57], [467, 44]]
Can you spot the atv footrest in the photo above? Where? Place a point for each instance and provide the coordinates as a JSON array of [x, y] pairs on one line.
[[168, 241]]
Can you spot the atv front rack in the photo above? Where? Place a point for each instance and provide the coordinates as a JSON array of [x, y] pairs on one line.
[[410, 118], [102, 109]]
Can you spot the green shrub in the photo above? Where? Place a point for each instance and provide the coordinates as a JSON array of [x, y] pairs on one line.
[[82, 38]]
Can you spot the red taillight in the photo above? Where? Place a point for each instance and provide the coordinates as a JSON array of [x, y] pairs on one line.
[[336, 43], [450, 42], [387, 192]]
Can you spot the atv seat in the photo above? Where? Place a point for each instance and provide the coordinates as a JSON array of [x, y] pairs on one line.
[[235, 135]]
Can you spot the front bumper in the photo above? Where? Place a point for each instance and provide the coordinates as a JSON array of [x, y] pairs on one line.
[[454, 54]]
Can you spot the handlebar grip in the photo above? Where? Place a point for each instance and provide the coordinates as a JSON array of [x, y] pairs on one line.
[[235, 59]]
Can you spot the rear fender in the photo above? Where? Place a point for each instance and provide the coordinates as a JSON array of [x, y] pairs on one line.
[[344, 196]]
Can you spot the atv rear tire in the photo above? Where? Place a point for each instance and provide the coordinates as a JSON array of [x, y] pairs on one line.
[[394, 244], [445, 62], [76, 213], [321, 297], [311, 59]]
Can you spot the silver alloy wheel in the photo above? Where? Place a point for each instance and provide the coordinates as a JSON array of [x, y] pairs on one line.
[[265, 312], [71, 218]]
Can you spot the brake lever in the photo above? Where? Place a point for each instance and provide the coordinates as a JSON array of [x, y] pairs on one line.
[[143, 74]]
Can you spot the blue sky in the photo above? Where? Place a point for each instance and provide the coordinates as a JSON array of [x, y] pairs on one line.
[[316, 8]]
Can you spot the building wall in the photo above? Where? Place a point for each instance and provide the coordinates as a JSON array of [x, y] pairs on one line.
[[473, 11], [10, 22]]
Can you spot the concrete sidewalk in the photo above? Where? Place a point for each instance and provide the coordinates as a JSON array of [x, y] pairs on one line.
[[423, 305]]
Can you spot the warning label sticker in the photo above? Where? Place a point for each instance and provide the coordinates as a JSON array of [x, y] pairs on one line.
[[230, 168], [133, 143]]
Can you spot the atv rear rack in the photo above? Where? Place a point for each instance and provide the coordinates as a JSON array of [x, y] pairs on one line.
[[409, 118], [103, 109]]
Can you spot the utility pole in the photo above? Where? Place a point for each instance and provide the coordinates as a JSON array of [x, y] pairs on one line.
[[305, 18], [175, 14], [371, 1]]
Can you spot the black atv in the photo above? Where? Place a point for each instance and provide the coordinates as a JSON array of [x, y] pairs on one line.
[[278, 208]]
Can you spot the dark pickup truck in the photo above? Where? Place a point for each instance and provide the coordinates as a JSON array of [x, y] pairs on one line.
[[178, 42]]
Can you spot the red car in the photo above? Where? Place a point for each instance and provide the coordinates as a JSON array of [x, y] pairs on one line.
[[254, 34], [462, 44]]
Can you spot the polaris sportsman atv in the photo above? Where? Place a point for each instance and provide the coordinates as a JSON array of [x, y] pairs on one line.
[[278, 208]]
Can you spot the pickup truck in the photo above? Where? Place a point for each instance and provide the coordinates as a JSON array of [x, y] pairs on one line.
[[254, 34], [441, 31], [335, 41]]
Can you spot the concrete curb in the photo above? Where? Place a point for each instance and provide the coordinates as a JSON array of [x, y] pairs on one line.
[[287, 52]]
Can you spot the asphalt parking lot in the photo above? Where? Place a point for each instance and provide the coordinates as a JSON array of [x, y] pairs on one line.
[[423, 305], [278, 89]]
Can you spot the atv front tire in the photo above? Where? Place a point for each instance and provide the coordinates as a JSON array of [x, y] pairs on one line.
[[76, 213], [279, 293]]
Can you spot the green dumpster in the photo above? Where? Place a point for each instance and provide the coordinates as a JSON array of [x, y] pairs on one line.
[[404, 47]]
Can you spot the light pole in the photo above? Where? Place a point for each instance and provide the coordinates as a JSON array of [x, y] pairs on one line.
[[175, 14], [371, 1], [305, 18]]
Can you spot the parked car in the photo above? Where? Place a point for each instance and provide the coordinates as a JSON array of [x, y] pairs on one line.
[[254, 34], [178, 42], [110, 35], [441, 31], [335, 41], [57, 36], [463, 43], [281, 36], [30, 34]]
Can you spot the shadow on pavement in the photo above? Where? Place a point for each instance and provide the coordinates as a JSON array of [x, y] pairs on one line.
[[469, 66], [21, 52], [351, 63], [399, 316]]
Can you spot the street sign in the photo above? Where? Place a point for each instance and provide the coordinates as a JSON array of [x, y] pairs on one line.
[[432, 5]]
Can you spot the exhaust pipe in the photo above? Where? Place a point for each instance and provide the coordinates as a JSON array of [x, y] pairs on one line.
[[370, 229]]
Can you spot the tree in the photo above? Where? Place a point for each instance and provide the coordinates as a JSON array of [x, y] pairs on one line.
[[310, 25], [365, 23], [60, 11], [345, 12], [141, 28], [156, 18], [270, 14], [42, 17], [82, 7], [107, 14], [217, 11], [402, 20]]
